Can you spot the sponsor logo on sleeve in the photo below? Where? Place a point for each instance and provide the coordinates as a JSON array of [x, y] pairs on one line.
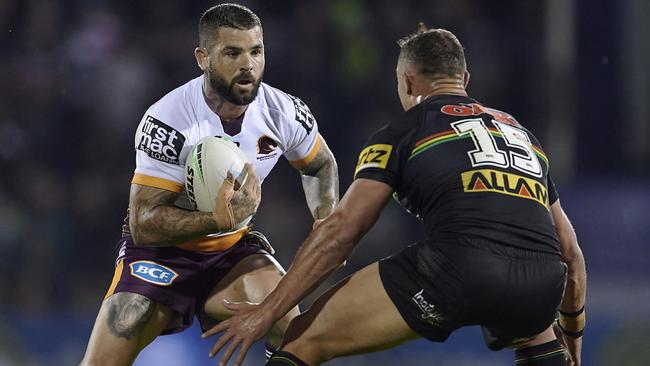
[[303, 114], [374, 156], [153, 273], [161, 141]]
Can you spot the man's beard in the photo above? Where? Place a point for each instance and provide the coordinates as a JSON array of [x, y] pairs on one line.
[[227, 90]]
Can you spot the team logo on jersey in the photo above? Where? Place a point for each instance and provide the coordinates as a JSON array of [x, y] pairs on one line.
[[161, 141], [374, 156], [488, 180], [266, 146], [153, 273], [430, 312], [303, 114]]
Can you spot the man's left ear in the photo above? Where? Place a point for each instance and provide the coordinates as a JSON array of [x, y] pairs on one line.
[[408, 79], [466, 79]]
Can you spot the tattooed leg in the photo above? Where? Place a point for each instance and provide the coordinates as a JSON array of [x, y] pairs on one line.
[[128, 313], [126, 324]]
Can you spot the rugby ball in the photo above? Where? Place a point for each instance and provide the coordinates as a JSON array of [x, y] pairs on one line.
[[207, 165]]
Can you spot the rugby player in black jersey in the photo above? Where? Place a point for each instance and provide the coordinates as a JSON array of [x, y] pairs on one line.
[[499, 252]]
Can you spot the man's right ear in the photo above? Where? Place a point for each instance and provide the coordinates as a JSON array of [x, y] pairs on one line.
[[201, 56]]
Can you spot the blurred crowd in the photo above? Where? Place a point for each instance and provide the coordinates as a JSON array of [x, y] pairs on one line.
[[77, 75]]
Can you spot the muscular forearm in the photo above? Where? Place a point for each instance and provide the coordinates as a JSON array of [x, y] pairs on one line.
[[576, 285], [170, 225], [321, 254], [322, 189]]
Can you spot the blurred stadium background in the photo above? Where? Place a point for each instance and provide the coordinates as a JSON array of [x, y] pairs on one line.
[[76, 76]]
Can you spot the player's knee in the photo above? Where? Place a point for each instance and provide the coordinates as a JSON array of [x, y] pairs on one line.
[[128, 313], [308, 336]]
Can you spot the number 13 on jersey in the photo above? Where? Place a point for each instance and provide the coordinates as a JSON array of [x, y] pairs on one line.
[[521, 156]]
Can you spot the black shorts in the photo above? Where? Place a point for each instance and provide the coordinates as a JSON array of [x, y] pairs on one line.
[[439, 287]]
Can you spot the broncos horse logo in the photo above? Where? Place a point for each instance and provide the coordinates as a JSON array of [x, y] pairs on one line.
[[266, 145]]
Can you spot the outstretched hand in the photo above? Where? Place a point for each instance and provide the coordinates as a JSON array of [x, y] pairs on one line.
[[249, 324]]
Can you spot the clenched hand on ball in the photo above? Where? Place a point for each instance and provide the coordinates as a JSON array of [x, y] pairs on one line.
[[234, 204]]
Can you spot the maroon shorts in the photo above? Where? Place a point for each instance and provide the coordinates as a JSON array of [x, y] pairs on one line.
[[178, 278]]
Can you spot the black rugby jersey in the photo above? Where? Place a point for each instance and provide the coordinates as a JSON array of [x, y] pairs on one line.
[[466, 169]]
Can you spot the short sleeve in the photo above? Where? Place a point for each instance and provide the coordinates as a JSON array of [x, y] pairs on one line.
[[159, 148], [379, 160], [552, 191], [303, 140]]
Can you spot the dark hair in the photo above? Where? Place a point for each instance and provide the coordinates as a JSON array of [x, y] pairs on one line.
[[224, 15], [434, 52]]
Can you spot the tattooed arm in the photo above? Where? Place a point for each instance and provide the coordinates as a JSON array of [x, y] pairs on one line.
[[320, 181], [155, 220]]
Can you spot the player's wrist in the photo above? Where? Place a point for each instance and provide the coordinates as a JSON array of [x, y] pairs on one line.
[[573, 323]]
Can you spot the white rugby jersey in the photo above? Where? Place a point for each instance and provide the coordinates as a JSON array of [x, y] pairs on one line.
[[274, 124]]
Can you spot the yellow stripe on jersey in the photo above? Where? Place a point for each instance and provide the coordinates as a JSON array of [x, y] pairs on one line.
[[116, 278], [155, 182], [215, 244], [302, 163]]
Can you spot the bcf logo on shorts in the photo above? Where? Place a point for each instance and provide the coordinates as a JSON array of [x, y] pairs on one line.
[[153, 273]]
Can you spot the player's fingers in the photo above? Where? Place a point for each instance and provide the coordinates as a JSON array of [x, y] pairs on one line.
[[252, 180], [246, 344], [227, 187], [216, 329], [229, 351], [560, 336], [220, 343], [258, 190], [230, 179], [316, 223]]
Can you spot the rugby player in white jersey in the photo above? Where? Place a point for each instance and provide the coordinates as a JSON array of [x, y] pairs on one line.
[[171, 266]]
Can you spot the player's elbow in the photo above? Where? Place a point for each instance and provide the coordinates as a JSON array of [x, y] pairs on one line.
[[573, 257]]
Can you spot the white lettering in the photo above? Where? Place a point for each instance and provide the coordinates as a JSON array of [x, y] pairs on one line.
[[156, 145], [172, 137], [161, 134], [153, 272], [169, 151]]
